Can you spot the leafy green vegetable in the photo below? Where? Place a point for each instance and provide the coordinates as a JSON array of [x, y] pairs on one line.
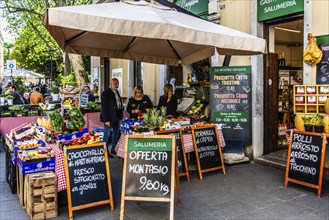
[[17, 108], [56, 121]]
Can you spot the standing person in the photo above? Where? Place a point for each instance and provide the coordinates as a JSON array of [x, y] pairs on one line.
[[111, 114], [44, 89], [138, 103], [169, 100], [36, 97], [18, 100], [91, 97]]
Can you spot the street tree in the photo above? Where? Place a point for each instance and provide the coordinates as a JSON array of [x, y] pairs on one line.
[[30, 52], [7, 47], [26, 15]]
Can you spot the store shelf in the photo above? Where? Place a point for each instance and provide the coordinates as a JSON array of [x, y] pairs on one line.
[[288, 77], [310, 98]]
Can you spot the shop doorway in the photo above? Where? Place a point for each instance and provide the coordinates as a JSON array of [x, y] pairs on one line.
[[284, 69]]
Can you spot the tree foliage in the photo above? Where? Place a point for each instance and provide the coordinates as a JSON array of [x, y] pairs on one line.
[[18, 81], [30, 52], [34, 47], [6, 50]]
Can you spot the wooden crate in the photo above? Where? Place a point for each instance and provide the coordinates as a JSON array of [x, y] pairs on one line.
[[41, 195]]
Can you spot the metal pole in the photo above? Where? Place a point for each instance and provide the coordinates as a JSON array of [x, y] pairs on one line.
[[51, 70]]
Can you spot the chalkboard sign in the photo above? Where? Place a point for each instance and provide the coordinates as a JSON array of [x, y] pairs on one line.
[[181, 156], [207, 149], [322, 68], [87, 176], [148, 173], [306, 159]]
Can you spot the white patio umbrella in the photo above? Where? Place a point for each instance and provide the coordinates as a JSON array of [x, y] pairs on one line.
[[144, 32]]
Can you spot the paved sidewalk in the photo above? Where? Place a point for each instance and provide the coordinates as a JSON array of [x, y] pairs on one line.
[[248, 191]]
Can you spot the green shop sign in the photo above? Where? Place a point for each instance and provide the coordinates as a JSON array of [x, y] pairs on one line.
[[197, 7], [150, 144], [268, 9], [322, 39]]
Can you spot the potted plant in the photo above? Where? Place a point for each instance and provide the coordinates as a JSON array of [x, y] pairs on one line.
[[318, 123], [308, 123], [55, 93], [2, 97], [10, 99]]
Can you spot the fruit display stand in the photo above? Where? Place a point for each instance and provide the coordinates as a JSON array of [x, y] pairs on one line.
[[133, 126], [38, 195], [70, 96], [7, 126]]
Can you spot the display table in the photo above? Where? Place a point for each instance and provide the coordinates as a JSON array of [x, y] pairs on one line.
[[187, 140], [9, 123], [59, 167], [92, 120]]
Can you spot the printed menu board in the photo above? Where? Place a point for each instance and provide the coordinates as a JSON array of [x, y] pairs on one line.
[[306, 159], [230, 101]]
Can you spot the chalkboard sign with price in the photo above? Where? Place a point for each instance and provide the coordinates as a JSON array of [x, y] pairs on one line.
[[181, 156], [207, 149], [87, 177], [306, 159], [149, 170]]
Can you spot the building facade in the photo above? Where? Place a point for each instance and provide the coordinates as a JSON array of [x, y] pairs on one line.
[[261, 18]]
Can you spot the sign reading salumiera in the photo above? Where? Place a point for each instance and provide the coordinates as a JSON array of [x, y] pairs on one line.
[[269, 9], [149, 169]]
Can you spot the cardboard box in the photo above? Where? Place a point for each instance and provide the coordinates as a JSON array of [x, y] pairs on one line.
[[38, 165], [16, 148]]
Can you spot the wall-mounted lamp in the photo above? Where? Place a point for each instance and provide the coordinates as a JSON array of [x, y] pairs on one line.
[[287, 29]]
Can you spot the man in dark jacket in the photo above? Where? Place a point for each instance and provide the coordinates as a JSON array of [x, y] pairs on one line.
[[91, 97], [111, 114], [18, 100]]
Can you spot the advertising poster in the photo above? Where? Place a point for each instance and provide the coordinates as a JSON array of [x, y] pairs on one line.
[[230, 100]]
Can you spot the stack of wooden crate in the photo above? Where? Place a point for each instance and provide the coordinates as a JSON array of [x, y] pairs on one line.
[[38, 194]]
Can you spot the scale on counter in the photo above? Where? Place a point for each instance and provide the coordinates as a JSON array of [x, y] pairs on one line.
[[190, 92], [185, 104]]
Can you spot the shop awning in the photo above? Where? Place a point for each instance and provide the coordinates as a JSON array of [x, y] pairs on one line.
[[144, 32]]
